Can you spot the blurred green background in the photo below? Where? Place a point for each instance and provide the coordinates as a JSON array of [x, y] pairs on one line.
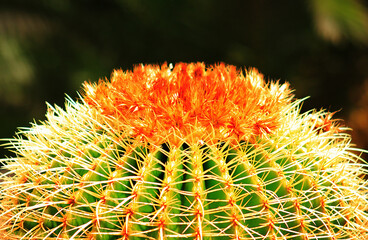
[[49, 47]]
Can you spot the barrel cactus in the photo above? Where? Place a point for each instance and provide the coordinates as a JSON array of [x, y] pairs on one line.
[[184, 152]]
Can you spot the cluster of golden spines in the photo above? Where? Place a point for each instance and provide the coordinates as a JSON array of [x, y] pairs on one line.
[[155, 101]]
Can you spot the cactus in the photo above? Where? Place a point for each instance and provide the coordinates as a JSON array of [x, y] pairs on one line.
[[184, 152]]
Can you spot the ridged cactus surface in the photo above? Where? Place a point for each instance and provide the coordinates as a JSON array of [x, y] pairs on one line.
[[184, 152]]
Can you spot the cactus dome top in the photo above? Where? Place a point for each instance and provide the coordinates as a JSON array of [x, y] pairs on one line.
[[154, 102]]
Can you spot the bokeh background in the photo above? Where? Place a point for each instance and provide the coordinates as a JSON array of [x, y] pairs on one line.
[[49, 47]]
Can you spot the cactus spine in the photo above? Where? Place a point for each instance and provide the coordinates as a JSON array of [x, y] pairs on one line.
[[184, 152]]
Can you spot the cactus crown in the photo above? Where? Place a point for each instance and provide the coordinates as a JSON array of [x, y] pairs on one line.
[[153, 102], [188, 152]]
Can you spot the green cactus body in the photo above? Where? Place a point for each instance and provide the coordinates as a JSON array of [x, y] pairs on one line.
[[184, 153]]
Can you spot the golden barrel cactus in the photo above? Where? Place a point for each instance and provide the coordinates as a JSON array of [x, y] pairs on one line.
[[184, 152]]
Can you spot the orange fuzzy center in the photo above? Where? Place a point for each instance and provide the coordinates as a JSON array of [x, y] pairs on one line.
[[218, 102]]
